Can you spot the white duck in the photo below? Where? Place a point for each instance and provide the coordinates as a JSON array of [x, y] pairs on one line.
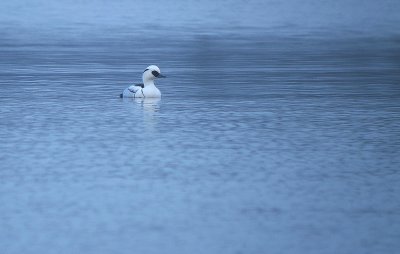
[[148, 89]]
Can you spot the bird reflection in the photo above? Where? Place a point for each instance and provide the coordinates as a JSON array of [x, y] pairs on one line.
[[150, 108], [150, 105]]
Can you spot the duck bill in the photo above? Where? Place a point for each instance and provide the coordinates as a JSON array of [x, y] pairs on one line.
[[161, 76]]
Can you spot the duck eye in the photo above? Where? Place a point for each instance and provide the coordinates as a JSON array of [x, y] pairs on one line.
[[155, 73]]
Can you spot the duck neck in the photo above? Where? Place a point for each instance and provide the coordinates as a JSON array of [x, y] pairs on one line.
[[148, 83]]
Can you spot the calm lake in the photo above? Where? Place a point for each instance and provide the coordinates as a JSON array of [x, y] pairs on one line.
[[266, 139]]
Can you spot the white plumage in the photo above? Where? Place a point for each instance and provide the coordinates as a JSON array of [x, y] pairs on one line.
[[148, 89]]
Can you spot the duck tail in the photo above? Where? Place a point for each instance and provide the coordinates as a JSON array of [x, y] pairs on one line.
[[121, 95]]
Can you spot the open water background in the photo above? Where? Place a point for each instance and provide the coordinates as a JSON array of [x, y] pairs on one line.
[[278, 130]]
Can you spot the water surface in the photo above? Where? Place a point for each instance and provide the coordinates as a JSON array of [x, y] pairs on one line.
[[262, 142]]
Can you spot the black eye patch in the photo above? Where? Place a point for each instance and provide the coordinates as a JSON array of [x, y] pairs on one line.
[[155, 73]]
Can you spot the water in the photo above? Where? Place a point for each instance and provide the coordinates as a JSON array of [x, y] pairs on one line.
[[268, 138]]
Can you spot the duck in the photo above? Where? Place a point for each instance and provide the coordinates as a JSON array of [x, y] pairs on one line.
[[147, 89]]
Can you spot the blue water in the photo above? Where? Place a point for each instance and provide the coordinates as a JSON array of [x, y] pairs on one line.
[[275, 133]]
